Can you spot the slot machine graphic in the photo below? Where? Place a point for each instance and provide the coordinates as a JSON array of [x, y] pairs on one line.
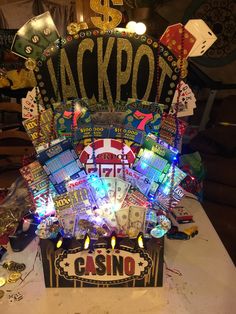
[[108, 156]]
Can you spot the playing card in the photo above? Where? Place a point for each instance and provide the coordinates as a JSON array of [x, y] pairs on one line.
[[187, 101], [29, 105]]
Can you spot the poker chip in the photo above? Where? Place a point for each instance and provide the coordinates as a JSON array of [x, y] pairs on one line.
[[7, 265], [157, 232], [14, 277], [2, 281], [164, 222], [13, 266], [20, 267]]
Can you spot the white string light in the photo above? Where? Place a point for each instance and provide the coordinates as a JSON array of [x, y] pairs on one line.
[[138, 28]]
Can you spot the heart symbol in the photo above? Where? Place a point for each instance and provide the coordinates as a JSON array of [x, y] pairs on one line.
[[99, 251]]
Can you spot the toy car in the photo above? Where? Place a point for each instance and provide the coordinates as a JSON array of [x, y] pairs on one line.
[[179, 235], [192, 231]]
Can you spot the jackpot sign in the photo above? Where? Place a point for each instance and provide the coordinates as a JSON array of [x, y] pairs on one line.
[[103, 266], [113, 65]]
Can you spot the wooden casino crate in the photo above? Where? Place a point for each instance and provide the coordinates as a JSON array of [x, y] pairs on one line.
[[127, 265]]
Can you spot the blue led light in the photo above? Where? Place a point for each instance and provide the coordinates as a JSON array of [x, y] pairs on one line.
[[143, 165], [166, 189]]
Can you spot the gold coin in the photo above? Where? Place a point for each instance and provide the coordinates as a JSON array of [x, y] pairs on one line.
[[1, 293], [7, 265], [83, 25], [73, 28], [13, 277], [2, 281], [30, 64], [20, 267]]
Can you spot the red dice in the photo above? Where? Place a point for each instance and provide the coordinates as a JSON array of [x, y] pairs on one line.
[[176, 34]]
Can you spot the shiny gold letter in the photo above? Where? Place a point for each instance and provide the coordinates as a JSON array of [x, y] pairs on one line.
[[123, 76], [86, 44], [142, 51], [68, 90], [103, 62], [53, 79]]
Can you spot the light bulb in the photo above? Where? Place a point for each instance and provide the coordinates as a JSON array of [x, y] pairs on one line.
[[59, 243], [131, 26], [113, 242], [140, 28]]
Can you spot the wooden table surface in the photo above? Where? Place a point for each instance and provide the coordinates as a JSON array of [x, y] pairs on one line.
[[199, 277]]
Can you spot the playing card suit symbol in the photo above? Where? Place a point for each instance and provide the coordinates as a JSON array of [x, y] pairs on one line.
[[99, 251]]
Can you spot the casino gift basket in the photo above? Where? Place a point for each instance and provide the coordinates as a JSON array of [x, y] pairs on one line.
[[105, 121]]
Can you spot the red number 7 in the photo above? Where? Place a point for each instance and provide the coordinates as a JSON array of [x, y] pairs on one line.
[[77, 114], [146, 117], [107, 171]]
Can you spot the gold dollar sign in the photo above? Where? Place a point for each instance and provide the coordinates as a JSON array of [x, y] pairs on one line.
[[111, 17]]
